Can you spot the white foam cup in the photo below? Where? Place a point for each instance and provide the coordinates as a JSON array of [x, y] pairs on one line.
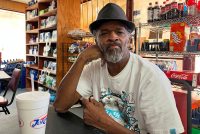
[[32, 108]]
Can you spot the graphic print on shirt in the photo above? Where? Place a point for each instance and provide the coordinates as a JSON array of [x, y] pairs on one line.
[[120, 108]]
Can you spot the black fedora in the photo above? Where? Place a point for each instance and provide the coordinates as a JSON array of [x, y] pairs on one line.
[[111, 12]]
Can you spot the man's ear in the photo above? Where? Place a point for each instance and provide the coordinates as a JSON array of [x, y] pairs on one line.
[[95, 40], [130, 40]]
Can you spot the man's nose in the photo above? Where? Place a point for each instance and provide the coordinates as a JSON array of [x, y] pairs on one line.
[[113, 36]]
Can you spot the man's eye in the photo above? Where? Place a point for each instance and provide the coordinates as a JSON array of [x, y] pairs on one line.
[[103, 33], [120, 32]]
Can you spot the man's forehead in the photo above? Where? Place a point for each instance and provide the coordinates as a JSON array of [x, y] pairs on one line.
[[111, 25]]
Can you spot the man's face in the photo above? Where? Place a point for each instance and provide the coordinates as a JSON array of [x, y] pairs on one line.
[[113, 39]]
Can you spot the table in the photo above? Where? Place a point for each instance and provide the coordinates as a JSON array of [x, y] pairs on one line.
[[68, 123], [3, 75], [4, 78]]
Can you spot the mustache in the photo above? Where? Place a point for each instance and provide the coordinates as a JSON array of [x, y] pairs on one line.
[[114, 43]]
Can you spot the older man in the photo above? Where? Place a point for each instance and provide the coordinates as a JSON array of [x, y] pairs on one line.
[[130, 94]]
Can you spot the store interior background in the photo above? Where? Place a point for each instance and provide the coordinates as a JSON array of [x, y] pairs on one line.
[[12, 25], [13, 29]]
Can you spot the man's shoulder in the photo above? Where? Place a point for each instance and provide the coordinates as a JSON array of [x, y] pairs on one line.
[[94, 64]]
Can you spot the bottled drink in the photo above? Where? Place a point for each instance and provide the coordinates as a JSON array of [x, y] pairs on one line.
[[180, 8], [191, 7], [156, 12], [166, 45], [174, 10], [198, 7], [185, 10], [162, 12], [168, 10], [150, 13]]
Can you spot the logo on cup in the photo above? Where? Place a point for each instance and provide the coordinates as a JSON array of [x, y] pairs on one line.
[[39, 122], [21, 123]]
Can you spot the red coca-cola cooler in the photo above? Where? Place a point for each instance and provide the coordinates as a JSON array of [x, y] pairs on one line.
[[183, 100], [191, 77]]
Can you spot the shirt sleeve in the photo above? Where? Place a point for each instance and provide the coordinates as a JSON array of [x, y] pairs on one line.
[[158, 106], [84, 87]]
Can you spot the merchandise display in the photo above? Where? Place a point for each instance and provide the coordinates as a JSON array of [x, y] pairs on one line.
[[41, 48], [179, 20]]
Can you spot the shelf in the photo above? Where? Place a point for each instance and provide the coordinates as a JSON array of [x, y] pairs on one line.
[[50, 13], [32, 67], [48, 42], [166, 53], [31, 55], [47, 86], [48, 28], [48, 70], [44, 1], [34, 19], [35, 6], [29, 78], [189, 20], [47, 57], [80, 37], [31, 44], [35, 31]]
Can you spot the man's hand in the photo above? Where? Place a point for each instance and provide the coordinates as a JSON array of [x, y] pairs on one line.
[[91, 53], [94, 113]]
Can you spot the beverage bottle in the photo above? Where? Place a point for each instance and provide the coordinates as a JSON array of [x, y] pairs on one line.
[[180, 8], [168, 9], [162, 12], [174, 9], [185, 9], [191, 7], [150, 13], [198, 7], [156, 12]]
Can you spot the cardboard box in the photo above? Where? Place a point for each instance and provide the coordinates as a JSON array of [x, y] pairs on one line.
[[178, 37]]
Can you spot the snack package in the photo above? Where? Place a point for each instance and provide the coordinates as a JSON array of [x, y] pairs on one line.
[[178, 37]]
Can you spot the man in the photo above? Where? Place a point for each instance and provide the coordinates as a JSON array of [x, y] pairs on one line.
[[130, 94]]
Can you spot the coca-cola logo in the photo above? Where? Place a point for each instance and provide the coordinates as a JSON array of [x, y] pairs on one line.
[[179, 76]]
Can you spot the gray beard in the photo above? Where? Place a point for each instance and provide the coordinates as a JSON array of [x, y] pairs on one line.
[[113, 56]]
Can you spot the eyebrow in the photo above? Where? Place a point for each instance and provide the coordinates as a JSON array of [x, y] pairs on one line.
[[105, 29]]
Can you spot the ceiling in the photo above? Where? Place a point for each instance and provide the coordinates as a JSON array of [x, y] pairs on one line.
[[22, 1]]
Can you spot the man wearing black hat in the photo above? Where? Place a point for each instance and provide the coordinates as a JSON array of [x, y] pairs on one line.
[[129, 94]]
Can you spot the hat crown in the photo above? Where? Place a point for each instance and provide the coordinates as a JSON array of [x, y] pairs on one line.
[[111, 11]]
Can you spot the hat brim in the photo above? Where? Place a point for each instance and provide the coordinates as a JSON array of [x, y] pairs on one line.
[[96, 24]]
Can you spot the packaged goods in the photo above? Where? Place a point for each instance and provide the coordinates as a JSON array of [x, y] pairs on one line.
[[177, 37]]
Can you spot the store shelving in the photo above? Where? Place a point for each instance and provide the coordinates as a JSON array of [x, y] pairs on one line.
[[38, 59], [81, 39], [164, 27], [32, 7], [189, 20], [165, 53], [50, 13], [67, 14], [32, 31], [34, 19]]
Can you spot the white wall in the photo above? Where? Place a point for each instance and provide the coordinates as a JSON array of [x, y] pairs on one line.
[[12, 35]]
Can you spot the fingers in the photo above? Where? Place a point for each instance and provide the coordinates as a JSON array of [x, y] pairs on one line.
[[93, 101], [85, 102]]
